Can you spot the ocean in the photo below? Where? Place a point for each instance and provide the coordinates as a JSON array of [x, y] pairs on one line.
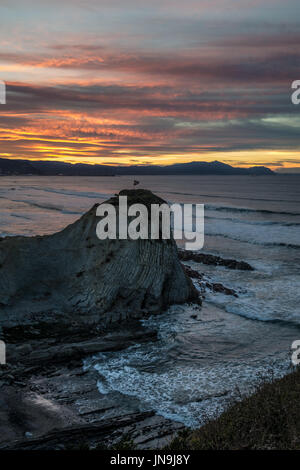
[[197, 364]]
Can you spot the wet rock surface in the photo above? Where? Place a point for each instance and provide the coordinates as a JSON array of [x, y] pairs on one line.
[[204, 284], [209, 259]]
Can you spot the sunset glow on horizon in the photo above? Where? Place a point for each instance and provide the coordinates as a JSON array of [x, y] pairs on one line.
[[134, 83]]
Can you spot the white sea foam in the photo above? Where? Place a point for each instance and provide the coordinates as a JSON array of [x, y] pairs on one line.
[[187, 393]]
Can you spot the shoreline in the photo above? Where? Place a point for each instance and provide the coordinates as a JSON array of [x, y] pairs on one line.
[[49, 400], [267, 419], [50, 405], [55, 399]]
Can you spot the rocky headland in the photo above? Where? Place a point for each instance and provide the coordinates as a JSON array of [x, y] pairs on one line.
[[67, 296]]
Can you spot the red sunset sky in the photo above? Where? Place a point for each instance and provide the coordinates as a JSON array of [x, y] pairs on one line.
[[127, 82]]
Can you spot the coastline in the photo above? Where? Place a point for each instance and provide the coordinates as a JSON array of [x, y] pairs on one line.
[[59, 401], [267, 419], [52, 402]]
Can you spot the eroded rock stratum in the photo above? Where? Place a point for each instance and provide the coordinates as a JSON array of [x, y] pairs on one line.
[[73, 276]]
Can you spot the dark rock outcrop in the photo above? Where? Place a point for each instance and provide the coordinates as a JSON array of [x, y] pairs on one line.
[[48, 401], [208, 259], [205, 284], [17, 167], [72, 276], [48, 168], [192, 273]]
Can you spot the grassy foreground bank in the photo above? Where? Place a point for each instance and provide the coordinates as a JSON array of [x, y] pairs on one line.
[[268, 419]]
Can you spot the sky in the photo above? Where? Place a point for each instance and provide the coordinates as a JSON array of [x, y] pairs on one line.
[[151, 82]]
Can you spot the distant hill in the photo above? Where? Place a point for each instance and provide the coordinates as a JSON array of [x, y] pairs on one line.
[[48, 168], [16, 167], [69, 169], [194, 168]]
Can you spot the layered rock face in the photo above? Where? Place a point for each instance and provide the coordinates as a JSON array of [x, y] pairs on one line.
[[74, 276]]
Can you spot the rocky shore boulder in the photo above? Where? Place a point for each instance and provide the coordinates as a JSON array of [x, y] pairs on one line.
[[73, 276]]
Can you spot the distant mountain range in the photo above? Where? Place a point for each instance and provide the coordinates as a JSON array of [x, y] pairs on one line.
[[48, 168]]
